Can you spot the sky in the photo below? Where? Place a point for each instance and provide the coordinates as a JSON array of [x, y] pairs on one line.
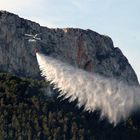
[[118, 19]]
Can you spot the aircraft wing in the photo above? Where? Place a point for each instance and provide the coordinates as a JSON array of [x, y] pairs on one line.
[[29, 35], [38, 39], [36, 35]]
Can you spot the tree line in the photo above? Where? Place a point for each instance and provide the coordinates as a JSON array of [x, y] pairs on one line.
[[26, 113]]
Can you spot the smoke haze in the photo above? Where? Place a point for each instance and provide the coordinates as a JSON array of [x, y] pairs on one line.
[[115, 99]]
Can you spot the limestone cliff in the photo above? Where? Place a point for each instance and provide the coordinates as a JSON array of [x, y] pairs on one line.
[[85, 49]]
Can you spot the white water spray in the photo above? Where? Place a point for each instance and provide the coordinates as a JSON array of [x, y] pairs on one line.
[[115, 99]]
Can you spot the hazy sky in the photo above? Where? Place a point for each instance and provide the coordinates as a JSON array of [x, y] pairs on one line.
[[118, 19]]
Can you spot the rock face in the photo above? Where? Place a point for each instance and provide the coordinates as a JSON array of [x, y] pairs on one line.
[[85, 49]]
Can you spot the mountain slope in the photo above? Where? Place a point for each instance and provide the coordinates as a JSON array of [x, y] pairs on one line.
[[26, 113], [85, 49]]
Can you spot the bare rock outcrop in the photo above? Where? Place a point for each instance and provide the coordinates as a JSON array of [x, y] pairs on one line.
[[85, 49]]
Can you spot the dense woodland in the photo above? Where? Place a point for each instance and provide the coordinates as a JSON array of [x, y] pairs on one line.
[[26, 113]]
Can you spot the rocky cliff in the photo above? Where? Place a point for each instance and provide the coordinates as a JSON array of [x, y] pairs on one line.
[[85, 49]]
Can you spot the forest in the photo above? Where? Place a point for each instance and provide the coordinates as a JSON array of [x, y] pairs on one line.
[[29, 113]]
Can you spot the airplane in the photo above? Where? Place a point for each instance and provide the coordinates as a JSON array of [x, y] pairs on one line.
[[33, 39]]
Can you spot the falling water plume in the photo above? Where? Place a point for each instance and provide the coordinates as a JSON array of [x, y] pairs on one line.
[[115, 99]]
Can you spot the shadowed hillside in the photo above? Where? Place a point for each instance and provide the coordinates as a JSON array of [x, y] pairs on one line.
[[27, 113]]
